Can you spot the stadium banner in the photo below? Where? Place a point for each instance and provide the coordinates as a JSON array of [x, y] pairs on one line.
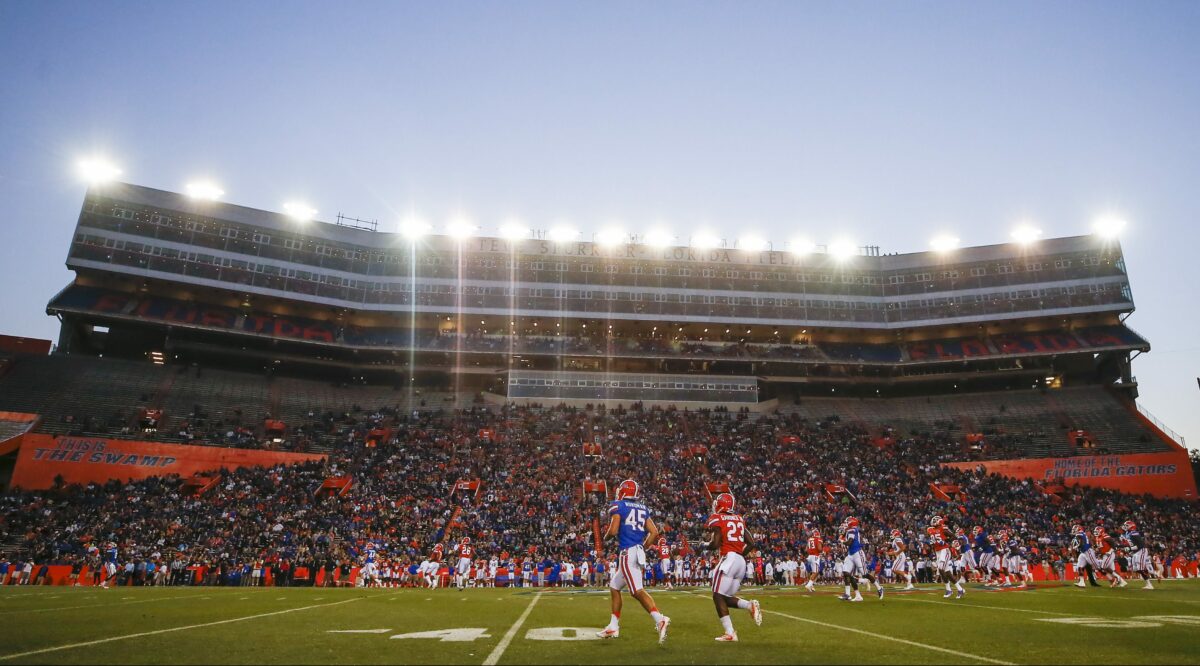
[[1158, 474], [95, 459]]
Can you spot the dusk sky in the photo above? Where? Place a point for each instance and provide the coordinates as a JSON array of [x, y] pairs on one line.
[[885, 122]]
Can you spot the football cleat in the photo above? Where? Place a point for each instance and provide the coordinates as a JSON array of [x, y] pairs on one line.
[[756, 613], [662, 629], [727, 638], [843, 597], [879, 590], [1080, 583], [857, 597], [608, 632], [961, 594]]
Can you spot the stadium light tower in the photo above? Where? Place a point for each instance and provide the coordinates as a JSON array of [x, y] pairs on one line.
[[611, 236], [460, 228], [97, 170], [299, 211], [1108, 226], [944, 243], [204, 189], [413, 228], [1026, 234], [843, 248]]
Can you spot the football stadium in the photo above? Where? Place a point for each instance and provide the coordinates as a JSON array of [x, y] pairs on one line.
[[417, 447], [599, 333]]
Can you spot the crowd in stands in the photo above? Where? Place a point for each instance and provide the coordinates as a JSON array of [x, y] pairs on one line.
[[531, 500]]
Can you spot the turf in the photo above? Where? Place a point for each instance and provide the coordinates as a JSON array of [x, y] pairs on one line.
[[294, 625]]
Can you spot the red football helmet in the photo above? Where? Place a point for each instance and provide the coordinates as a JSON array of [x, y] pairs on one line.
[[465, 541], [849, 523], [1129, 526], [896, 534], [627, 490], [960, 532], [1098, 531], [1077, 529], [977, 530], [724, 503], [937, 521], [815, 532]]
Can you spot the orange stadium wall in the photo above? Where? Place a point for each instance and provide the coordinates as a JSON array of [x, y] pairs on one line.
[[1158, 474], [90, 459]]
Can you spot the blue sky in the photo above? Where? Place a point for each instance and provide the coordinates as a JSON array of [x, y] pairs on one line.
[[886, 122]]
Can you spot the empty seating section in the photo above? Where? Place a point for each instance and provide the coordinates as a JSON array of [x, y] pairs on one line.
[[1025, 422]]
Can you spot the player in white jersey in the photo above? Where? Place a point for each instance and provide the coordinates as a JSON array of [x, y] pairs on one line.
[[901, 566], [492, 567]]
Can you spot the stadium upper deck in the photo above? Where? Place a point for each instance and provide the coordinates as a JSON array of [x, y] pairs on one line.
[[151, 234]]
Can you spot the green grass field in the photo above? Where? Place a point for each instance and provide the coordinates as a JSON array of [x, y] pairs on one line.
[[1049, 625]]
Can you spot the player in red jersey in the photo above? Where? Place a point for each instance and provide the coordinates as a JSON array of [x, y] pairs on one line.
[[1107, 556], [813, 548], [462, 572], [939, 540], [435, 566], [729, 532], [664, 561]]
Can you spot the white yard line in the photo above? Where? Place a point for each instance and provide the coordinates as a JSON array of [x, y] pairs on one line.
[[1003, 608], [494, 657], [885, 637], [71, 646]]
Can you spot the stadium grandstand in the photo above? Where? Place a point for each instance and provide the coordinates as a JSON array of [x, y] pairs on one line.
[[305, 372]]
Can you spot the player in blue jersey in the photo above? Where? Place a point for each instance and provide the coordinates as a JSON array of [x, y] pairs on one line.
[[1139, 555], [985, 553], [1085, 563], [110, 564], [633, 527], [854, 565], [966, 560]]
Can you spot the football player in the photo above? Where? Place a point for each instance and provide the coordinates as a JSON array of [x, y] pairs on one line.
[[854, 566], [462, 572], [939, 540], [900, 564], [631, 524], [1108, 556], [729, 532], [813, 548], [1139, 555]]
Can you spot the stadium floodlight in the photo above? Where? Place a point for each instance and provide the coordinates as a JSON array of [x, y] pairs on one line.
[[1026, 233], [1108, 226], [460, 228], [610, 236], [413, 227], [658, 238], [843, 249], [97, 170], [944, 243], [705, 240], [801, 246], [204, 189], [513, 229], [751, 243], [563, 234], [299, 211]]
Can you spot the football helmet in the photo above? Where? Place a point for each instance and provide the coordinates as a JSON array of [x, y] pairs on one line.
[[1129, 526], [937, 521], [723, 503], [977, 530], [850, 523], [628, 489]]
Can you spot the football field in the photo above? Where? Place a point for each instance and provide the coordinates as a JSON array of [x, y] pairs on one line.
[[1047, 625]]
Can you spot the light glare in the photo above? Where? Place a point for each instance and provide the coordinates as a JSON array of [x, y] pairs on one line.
[[801, 246], [204, 189], [843, 249], [514, 230], [1109, 226], [97, 170], [705, 240], [611, 236], [658, 238], [413, 227], [752, 243], [300, 211], [460, 228], [563, 234], [1026, 234], [944, 243]]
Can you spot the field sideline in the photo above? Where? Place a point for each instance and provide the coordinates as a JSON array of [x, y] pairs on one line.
[[1059, 625]]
